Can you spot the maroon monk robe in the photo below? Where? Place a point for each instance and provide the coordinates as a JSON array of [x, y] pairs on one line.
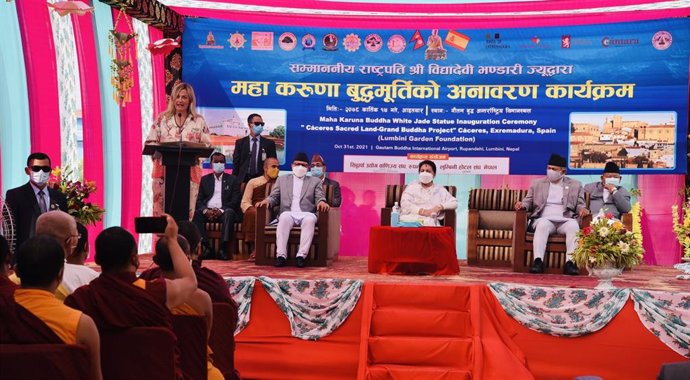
[[20, 326], [7, 287], [114, 302]]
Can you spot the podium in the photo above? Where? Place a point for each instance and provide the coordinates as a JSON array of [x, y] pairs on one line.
[[178, 158]]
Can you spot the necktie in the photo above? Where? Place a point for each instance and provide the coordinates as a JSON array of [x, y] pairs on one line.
[[252, 159], [42, 202]]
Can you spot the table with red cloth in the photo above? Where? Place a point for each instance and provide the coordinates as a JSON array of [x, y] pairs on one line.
[[422, 250]]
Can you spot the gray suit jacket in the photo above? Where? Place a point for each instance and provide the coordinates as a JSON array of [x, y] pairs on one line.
[[617, 204], [312, 193], [573, 197]]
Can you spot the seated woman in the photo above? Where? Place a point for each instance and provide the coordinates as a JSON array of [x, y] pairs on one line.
[[426, 199]]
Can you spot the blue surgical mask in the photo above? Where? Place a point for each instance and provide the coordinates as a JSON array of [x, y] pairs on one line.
[[612, 181], [316, 171], [218, 167], [257, 129]]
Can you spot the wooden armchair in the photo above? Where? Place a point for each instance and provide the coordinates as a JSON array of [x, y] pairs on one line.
[[394, 193], [491, 214], [138, 353], [555, 257], [235, 248], [324, 247], [191, 339], [222, 340]]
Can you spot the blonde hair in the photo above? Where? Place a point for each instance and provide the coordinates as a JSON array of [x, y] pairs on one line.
[[170, 109]]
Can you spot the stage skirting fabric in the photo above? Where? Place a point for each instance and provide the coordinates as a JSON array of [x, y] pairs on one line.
[[349, 329]]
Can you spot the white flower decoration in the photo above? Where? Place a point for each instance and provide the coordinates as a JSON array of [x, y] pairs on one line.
[[603, 231]]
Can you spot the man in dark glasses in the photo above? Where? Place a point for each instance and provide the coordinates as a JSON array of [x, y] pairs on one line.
[[34, 198], [251, 151]]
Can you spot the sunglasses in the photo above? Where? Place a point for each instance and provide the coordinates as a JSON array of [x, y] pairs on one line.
[[259, 124], [37, 169]]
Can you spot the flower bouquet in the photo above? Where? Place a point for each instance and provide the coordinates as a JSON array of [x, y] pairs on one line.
[[607, 243], [77, 193]]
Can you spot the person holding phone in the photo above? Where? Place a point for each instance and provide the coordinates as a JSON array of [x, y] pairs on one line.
[[34, 198], [180, 122], [251, 151]]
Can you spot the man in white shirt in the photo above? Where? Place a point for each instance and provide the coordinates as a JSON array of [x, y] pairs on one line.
[[555, 203], [218, 201], [299, 197], [425, 198]]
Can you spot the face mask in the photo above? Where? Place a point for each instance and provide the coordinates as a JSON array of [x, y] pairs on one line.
[[316, 171], [257, 129], [40, 178], [218, 167], [272, 173], [612, 181], [425, 177], [553, 175], [299, 171]]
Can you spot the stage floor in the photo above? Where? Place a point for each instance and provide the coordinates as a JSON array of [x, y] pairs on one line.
[[642, 277]]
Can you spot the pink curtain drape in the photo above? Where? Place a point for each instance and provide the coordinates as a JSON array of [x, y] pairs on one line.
[[158, 65], [92, 122], [659, 193], [131, 143], [41, 78]]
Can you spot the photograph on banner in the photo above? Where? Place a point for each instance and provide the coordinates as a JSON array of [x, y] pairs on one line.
[[631, 139], [515, 93], [227, 125]]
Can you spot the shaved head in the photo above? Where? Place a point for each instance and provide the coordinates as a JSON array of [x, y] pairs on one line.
[[60, 225]]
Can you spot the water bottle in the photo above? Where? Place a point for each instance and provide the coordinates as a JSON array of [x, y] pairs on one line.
[[395, 215]]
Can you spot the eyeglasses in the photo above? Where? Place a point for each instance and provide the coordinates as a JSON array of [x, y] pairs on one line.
[[259, 124], [300, 164], [317, 164], [36, 168], [78, 236]]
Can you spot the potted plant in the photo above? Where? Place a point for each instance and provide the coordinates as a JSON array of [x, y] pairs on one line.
[[605, 247]]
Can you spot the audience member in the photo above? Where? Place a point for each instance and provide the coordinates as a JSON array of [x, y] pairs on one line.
[[6, 285], [207, 280], [62, 226], [34, 198], [251, 151], [318, 170], [554, 205], [218, 201], [40, 262], [179, 122], [255, 192], [81, 251], [608, 194], [118, 300], [199, 303], [299, 197], [426, 199]]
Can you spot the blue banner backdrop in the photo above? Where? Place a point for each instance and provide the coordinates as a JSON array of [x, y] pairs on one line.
[[477, 101]]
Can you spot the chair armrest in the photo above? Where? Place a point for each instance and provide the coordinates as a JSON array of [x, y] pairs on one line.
[[586, 221], [519, 237], [386, 216], [627, 220], [449, 219]]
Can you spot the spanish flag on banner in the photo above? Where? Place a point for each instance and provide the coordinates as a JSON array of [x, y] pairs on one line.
[[457, 40]]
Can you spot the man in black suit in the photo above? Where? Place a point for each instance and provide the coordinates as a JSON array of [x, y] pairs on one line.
[[34, 198], [251, 151], [218, 200]]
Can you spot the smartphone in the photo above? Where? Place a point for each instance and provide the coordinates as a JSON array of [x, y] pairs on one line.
[[150, 224]]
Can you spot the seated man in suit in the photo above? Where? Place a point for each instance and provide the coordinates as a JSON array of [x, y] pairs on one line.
[[426, 199], [118, 300], [40, 263], [251, 151], [299, 197], [34, 198], [199, 303], [63, 228], [555, 203], [608, 194], [218, 200], [318, 170], [255, 192]]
